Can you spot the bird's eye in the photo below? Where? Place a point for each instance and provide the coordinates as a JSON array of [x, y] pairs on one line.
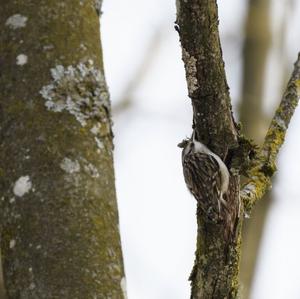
[[190, 148]]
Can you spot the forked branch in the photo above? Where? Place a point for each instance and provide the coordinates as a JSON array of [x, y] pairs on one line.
[[216, 267]]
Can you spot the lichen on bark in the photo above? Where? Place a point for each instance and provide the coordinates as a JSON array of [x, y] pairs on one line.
[[216, 268], [215, 272], [60, 235], [264, 166]]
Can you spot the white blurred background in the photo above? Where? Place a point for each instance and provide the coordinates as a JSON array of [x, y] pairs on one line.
[[152, 113]]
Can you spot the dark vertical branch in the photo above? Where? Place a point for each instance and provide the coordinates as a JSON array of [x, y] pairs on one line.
[[217, 256], [207, 86]]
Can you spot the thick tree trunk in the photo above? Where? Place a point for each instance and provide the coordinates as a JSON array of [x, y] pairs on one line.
[[60, 235]]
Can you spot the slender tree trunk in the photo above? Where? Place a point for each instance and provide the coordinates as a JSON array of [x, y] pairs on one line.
[[255, 53], [60, 235], [215, 272]]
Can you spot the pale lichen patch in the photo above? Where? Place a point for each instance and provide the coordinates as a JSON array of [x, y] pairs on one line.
[[58, 72], [95, 129], [124, 287], [70, 166], [83, 47], [99, 143], [81, 90], [91, 170], [280, 122], [191, 71], [178, 6], [21, 59], [12, 243], [16, 21], [48, 47], [22, 186]]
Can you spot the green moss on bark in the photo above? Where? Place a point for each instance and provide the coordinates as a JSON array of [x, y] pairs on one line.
[[215, 272], [61, 238], [264, 166]]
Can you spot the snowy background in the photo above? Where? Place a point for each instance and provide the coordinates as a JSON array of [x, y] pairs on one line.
[[157, 214]]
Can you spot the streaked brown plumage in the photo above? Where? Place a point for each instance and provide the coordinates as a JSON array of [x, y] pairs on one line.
[[206, 177]]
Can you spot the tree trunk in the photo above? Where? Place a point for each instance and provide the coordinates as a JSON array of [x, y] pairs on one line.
[[215, 272], [255, 53], [60, 235]]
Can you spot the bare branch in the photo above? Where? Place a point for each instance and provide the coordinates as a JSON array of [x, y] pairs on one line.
[[264, 166]]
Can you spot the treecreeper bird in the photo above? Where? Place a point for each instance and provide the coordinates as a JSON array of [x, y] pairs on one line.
[[206, 177]]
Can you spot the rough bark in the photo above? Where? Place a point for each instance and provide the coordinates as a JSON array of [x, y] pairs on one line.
[[264, 165], [60, 235], [216, 268], [215, 273], [256, 47]]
